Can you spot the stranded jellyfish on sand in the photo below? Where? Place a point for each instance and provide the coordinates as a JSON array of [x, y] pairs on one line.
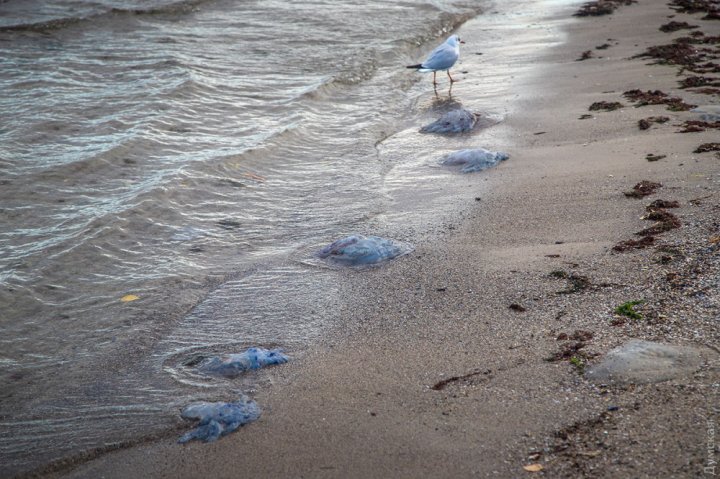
[[358, 250], [474, 160], [455, 121], [218, 419], [235, 364]]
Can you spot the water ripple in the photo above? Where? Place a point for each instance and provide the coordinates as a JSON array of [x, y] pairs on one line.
[[189, 154]]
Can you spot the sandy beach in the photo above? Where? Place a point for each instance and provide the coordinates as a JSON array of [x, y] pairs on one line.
[[466, 358]]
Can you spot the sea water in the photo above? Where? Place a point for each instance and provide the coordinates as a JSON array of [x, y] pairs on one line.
[[167, 168]]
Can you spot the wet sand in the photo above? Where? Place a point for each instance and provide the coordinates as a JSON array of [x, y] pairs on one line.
[[430, 371]]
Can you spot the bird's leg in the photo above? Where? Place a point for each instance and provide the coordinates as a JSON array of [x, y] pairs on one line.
[[451, 78], [434, 80]]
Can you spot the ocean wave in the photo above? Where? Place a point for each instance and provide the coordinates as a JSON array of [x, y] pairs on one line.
[[42, 26], [180, 7], [69, 19]]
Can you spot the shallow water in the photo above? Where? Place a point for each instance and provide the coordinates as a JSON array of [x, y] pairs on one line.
[[194, 154]]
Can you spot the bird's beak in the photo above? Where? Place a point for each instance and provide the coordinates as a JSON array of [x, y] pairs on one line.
[[462, 41]]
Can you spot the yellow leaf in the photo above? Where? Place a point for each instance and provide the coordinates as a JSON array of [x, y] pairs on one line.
[[129, 297], [533, 467]]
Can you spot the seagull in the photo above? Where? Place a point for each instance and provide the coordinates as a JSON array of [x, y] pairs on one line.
[[442, 58]]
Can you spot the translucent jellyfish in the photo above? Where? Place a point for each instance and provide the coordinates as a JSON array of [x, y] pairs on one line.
[[235, 364], [358, 250], [218, 419], [474, 160], [455, 121]]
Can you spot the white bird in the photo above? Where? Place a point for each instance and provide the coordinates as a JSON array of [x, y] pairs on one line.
[[442, 58]]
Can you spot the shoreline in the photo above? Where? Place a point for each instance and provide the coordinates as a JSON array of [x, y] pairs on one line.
[[435, 375]]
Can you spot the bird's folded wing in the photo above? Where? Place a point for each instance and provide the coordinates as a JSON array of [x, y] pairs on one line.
[[442, 58]]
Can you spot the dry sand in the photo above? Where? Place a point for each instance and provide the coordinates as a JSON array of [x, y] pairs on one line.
[[430, 373]]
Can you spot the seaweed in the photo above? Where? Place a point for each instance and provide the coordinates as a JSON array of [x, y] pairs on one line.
[[645, 123], [699, 81], [606, 106], [657, 97], [675, 26], [695, 6], [708, 91], [642, 189], [579, 364], [688, 52], [694, 126], [662, 204], [567, 351], [601, 7], [665, 221], [627, 309], [705, 147], [627, 245]]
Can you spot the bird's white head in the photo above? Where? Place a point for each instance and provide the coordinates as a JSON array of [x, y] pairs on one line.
[[454, 40]]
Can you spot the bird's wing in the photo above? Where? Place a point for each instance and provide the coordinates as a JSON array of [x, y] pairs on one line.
[[442, 58]]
